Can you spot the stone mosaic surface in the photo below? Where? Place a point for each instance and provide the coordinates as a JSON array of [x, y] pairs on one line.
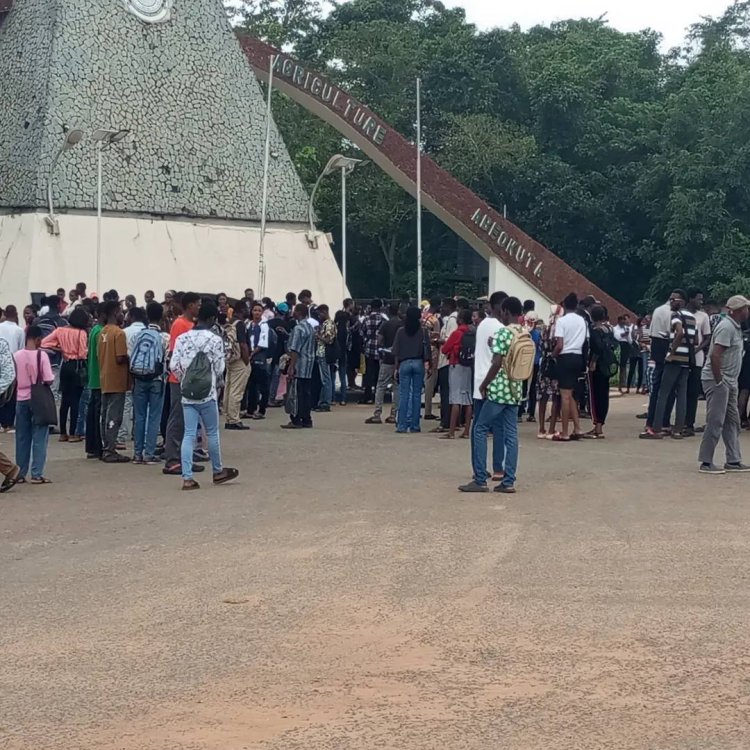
[[183, 88]]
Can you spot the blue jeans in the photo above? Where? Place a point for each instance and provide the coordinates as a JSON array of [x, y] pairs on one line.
[[498, 448], [325, 382], [31, 442], [194, 414], [83, 410], [148, 400], [502, 418], [410, 382], [343, 366]]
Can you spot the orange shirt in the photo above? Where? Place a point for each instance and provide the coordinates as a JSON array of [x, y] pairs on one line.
[[72, 342], [179, 327]]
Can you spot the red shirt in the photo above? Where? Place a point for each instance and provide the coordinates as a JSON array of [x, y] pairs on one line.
[[452, 346], [180, 326]]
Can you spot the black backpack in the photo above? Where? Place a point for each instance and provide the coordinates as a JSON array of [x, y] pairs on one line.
[[609, 361], [468, 347]]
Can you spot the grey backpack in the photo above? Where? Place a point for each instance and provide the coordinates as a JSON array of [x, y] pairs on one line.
[[197, 381]]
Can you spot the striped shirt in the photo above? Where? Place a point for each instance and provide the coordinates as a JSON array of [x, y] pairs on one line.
[[685, 352]]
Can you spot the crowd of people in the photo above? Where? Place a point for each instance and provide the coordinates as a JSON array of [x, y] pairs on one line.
[[107, 372]]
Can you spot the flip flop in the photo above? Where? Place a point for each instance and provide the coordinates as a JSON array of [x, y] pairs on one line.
[[41, 480], [10, 483], [541, 436], [226, 475]]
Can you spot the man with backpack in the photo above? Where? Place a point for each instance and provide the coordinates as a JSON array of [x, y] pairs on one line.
[[198, 362], [48, 322], [460, 348], [502, 389], [238, 368], [147, 348], [387, 371], [604, 356]]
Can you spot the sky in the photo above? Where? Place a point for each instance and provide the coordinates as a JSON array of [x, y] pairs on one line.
[[669, 18]]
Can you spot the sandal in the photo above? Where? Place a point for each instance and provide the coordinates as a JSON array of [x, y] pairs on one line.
[[10, 483], [226, 475], [593, 436], [40, 480], [541, 436], [190, 484]]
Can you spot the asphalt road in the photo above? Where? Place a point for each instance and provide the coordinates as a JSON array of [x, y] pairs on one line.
[[343, 595]]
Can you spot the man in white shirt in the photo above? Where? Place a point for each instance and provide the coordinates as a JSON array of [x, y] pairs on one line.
[[571, 333], [486, 332], [11, 331], [661, 325], [624, 336], [702, 343], [196, 410]]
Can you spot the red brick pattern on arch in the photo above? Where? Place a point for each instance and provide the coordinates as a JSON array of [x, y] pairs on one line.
[[555, 279]]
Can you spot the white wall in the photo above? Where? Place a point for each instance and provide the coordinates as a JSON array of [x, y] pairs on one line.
[[145, 253], [503, 279]]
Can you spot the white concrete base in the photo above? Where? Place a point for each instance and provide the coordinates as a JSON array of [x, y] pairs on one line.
[[502, 279], [141, 253]]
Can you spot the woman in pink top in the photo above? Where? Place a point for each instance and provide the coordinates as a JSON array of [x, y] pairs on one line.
[[73, 342], [31, 439]]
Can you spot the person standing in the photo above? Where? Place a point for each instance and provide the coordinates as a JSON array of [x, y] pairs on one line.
[[460, 374], [501, 396], [48, 321], [302, 360], [147, 352], [431, 321], [387, 372], [412, 357], [370, 331], [325, 357], [198, 362], [450, 323], [10, 471], [114, 378], [343, 322], [719, 378], [661, 322], [601, 366], [94, 413], [238, 369], [677, 362], [11, 331], [702, 343], [623, 334], [261, 342], [571, 333], [73, 343], [32, 366], [190, 305]]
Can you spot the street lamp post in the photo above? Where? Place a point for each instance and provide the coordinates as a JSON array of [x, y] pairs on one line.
[[347, 165], [104, 139], [72, 139]]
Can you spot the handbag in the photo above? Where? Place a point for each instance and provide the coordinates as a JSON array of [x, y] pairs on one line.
[[43, 409]]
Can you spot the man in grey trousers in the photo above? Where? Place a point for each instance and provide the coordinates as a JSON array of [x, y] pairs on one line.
[[719, 378]]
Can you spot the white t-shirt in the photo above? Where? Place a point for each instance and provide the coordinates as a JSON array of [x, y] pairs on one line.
[[572, 329], [14, 335], [486, 331], [703, 328]]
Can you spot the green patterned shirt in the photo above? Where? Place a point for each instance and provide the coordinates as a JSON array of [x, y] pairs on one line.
[[501, 390]]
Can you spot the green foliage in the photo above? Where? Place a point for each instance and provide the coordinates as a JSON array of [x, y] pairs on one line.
[[632, 165]]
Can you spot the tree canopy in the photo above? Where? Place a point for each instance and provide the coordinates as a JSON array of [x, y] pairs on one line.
[[631, 164]]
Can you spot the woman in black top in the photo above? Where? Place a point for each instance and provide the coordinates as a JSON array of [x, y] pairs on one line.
[[601, 363], [412, 356]]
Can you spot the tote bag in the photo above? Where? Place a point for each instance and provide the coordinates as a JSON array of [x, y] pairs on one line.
[[43, 409]]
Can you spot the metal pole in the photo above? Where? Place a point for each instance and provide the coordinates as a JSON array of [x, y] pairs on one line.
[[266, 167], [343, 227], [99, 219], [419, 191]]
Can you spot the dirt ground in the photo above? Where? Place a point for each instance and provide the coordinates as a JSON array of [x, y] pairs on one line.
[[343, 595]]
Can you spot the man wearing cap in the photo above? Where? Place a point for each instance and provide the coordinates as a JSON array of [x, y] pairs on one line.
[[719, 377]]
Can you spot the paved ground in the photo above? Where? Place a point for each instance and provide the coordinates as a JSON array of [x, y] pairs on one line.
[[344, 595]]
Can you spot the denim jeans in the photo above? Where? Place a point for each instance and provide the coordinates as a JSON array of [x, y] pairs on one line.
[[505, 417], [498, 447], [31, 442], [148, 399], [324, 401], [83, 410], [343, 367], [194, 414], [411, 380]]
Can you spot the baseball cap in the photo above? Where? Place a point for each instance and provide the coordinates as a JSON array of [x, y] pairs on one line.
[[737, 302]]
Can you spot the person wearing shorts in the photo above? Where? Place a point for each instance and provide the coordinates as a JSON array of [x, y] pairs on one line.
[[571, 333]]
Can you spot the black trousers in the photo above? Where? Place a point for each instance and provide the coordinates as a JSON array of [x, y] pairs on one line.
[[304, 402], [599, 394], [93, 424], [175, 427], [71, 391], [531, 402], [258, 388], [624, 357], [372, 370], [445, 401]]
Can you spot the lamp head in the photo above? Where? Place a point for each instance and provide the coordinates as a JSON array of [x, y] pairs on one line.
[[339, 161], [72, 139]]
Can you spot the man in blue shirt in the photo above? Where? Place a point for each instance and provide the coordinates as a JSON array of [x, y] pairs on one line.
[[302, 360]]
